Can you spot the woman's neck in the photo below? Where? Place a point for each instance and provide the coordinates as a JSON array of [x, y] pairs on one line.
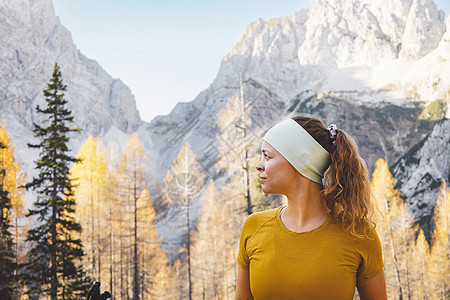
[[304, 211]]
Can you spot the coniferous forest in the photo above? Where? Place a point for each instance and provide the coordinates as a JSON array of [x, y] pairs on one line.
[[94, 216]]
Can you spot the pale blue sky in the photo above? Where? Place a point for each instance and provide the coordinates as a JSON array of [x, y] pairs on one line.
[[166, 51]]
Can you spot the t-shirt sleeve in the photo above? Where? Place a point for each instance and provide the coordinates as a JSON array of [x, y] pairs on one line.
[[372, 257], [242, 258]]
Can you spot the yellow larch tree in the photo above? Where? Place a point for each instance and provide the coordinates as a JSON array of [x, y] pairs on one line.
[[388, 202], [208, 248], [12, 213], [163, 281], [155, 272], [418, 275], [403, 237], [121, 245], [89, 176], [182, 187], [147, 242], [439, 267], [112, 214], [181, 289], [237, 139], [133, 177], [231, 229], [14, 179]]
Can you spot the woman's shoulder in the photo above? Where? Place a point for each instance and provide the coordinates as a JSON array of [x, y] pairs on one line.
[[257, 219], [365, 233]]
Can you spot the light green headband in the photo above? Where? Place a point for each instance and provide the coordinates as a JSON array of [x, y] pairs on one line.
[[299, 148]]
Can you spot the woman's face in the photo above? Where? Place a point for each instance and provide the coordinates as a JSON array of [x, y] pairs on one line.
[[276, 174]]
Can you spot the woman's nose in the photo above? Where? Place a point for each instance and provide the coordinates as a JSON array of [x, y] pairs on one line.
[[260, 166]]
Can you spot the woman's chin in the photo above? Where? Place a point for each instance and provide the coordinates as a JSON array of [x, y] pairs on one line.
[[266, 190]]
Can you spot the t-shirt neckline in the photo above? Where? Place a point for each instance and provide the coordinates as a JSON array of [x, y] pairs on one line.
[[285, 229]]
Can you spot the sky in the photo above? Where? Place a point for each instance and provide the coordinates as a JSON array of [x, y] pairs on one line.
[[166, 51]]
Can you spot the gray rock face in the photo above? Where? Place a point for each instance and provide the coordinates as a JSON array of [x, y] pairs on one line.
[[423, 21], [419, 173]]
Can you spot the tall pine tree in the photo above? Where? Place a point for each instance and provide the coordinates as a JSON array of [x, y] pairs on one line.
[[54, 265]]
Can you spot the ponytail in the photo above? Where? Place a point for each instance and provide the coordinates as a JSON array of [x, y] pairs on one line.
[[347, 187], [346, 184]]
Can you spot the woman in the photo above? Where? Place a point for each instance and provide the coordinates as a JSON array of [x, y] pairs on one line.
[[322, 244]]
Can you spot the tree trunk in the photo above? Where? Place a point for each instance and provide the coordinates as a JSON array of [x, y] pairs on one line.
[[136, 270], [94, 273], [247, 184], [111, 256], [189, 248], [53, 246], [400, 293]]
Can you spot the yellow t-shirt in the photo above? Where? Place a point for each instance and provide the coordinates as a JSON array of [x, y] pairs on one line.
[[323, 263]]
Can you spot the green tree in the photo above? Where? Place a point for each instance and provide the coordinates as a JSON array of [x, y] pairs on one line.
[[56, 251]]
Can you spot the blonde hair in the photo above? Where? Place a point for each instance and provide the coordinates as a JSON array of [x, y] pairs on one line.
[[346, 188]]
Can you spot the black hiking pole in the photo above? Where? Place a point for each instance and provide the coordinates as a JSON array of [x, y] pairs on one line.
[[94, 292]]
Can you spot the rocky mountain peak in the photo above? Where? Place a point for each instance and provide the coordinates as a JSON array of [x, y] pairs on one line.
[[424, 27], [300, 50], [32, 39]]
